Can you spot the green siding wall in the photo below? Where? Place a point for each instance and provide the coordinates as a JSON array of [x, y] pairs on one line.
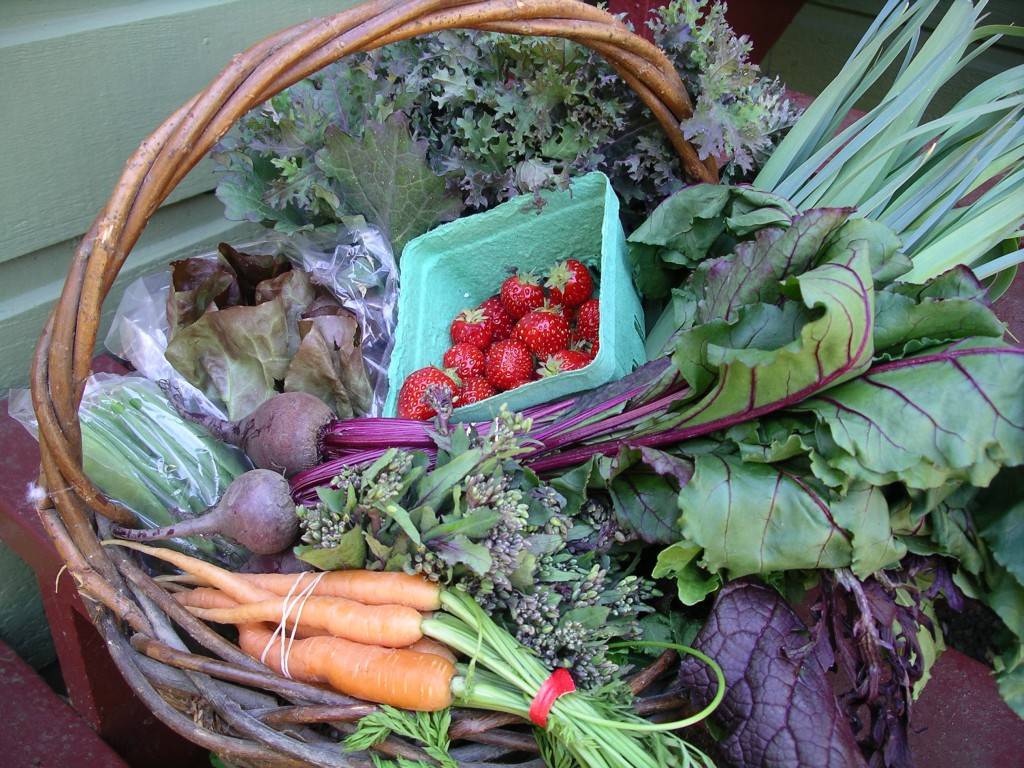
[[82, 82]]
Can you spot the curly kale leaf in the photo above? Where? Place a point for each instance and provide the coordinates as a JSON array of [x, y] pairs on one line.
[[500, 115]]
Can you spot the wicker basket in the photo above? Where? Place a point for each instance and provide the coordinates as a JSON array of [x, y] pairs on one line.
[[226, 702]]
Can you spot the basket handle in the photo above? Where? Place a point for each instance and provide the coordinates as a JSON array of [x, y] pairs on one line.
[[64, 353]]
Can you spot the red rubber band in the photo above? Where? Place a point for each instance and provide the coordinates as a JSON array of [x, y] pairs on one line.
[[559, 684]]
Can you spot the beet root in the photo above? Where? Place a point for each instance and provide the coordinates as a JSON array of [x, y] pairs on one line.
[[256, 511], [282, 434]]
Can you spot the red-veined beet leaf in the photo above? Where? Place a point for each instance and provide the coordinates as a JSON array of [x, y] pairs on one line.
[[948, 414]]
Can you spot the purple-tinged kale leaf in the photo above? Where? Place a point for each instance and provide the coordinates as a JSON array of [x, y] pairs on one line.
[[779, 710]]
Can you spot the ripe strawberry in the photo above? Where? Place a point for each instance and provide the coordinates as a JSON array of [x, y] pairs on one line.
[[521, 293], [412, 402], [470, 327], [474, 390], [544, 331], [465, 359], [570, 283], [588, 320], [509, 364], [498, 319], [565, 360]]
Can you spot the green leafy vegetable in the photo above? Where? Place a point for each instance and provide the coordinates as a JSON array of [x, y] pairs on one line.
[[767, 359], [680, 561], [909, 318], [538, 560], [492, 116], [384, 176], [643, 485], [238, 354], [428, 728], [947, 414], [246, 326], [758, 518]]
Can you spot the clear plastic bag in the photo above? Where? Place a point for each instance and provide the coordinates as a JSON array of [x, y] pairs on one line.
[[357, 266], [139, 333], [141, 454], [354, 264]]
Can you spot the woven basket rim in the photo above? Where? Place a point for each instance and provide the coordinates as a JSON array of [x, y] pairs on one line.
[[133, 613]]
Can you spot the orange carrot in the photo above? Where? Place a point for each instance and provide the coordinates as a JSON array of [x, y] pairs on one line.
[[233, 586], [429, 645], [398, 677], [205, 597], [394, 626], [367, 587]]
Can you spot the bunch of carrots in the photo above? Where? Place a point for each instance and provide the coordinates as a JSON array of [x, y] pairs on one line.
[[358, 631], [389, 638]]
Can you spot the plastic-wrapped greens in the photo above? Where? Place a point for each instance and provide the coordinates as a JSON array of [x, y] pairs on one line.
[[139, 452]]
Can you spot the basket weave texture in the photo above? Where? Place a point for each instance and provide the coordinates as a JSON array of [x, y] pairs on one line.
[[226, 701]]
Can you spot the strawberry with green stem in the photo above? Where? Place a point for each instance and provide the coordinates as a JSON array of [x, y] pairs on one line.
[[467, 360], [470, 326], [521, 293], [565, 360], [570, 283], [545, 331]]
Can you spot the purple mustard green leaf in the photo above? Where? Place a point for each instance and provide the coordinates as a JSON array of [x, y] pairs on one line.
[[904, 421], [953, 306], [384, 176], [236, 355], [753, 272], [779, 709]]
